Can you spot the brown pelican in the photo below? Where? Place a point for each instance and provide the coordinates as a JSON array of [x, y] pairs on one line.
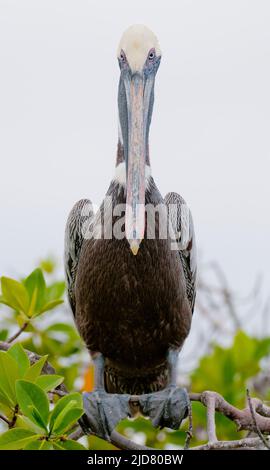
[[132, 295]]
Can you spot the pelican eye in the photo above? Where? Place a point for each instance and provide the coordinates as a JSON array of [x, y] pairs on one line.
[[151, 55]]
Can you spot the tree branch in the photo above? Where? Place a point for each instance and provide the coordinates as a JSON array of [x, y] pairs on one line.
[[21, 330], [190, 428], [247, 443], [5, 420], [75, 435], [256, 427], [255, 412], [210, 402], [14, 417], [126, 444]]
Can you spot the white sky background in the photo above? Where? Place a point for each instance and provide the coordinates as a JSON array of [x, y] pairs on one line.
[[210, 135]]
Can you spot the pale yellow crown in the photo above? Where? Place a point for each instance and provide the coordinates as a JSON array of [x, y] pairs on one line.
[[136, 42]]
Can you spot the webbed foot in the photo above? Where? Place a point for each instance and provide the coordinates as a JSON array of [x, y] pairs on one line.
[[103, 411], [166, 408]]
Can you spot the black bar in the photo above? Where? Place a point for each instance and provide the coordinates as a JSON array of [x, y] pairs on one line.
[[120, 459]]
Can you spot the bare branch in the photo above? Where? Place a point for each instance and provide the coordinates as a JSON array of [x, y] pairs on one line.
[[211, 424], [14, 417], [5, 420], [261, 408], [253, 417], [242, 418], [227, 295], [60, 393], [256, 427], [21, 330], [75, 435], [246, 443], [126, 444], [190, 428]]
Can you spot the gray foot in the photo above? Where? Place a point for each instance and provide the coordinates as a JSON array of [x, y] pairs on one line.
[[166, 408], [103, 411]]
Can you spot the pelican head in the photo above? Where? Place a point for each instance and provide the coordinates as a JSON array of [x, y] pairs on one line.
[[139, 58]]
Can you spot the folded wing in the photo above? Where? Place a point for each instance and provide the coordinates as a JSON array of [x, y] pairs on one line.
[[78, 226], [183, 228]]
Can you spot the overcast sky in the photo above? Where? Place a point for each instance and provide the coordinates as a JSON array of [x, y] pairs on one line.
[[210, 135]]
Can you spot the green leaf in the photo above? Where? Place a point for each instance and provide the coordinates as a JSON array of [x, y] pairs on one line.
[[55, 291], [50, 305], [69, 420], [33, 303], [3, 335], [68, 330], [49, 382], [69, 444], [70, 373], [36, 417], [57, 446], [74, 398], [18, 353], [26, 423], [17, 438], [33, 402], [35, 370], [68, 416], [48, 265], [3, 301], [15, 294], [5, 401], [9, 373], [36, 287], [39, 445], [63, 337], [262, 348]]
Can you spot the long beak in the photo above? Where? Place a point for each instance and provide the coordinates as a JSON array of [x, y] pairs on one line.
[[135, 164]]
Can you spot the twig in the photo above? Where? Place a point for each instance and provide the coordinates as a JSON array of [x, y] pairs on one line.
[[210, 402], [60, 393], [227, 295], [14, 417], [190, 428], [242, 418], [261, 408], [126, 444], [75, 435], [247, 443], [12, 338], [5, 420], [256, 427]]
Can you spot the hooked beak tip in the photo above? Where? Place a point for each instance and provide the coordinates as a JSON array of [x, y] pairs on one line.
[[134, 246]]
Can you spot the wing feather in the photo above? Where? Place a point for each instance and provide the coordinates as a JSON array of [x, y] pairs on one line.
[[78, 223], [183, 227]]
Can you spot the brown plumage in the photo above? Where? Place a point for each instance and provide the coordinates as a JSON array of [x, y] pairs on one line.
[[132, 309]]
